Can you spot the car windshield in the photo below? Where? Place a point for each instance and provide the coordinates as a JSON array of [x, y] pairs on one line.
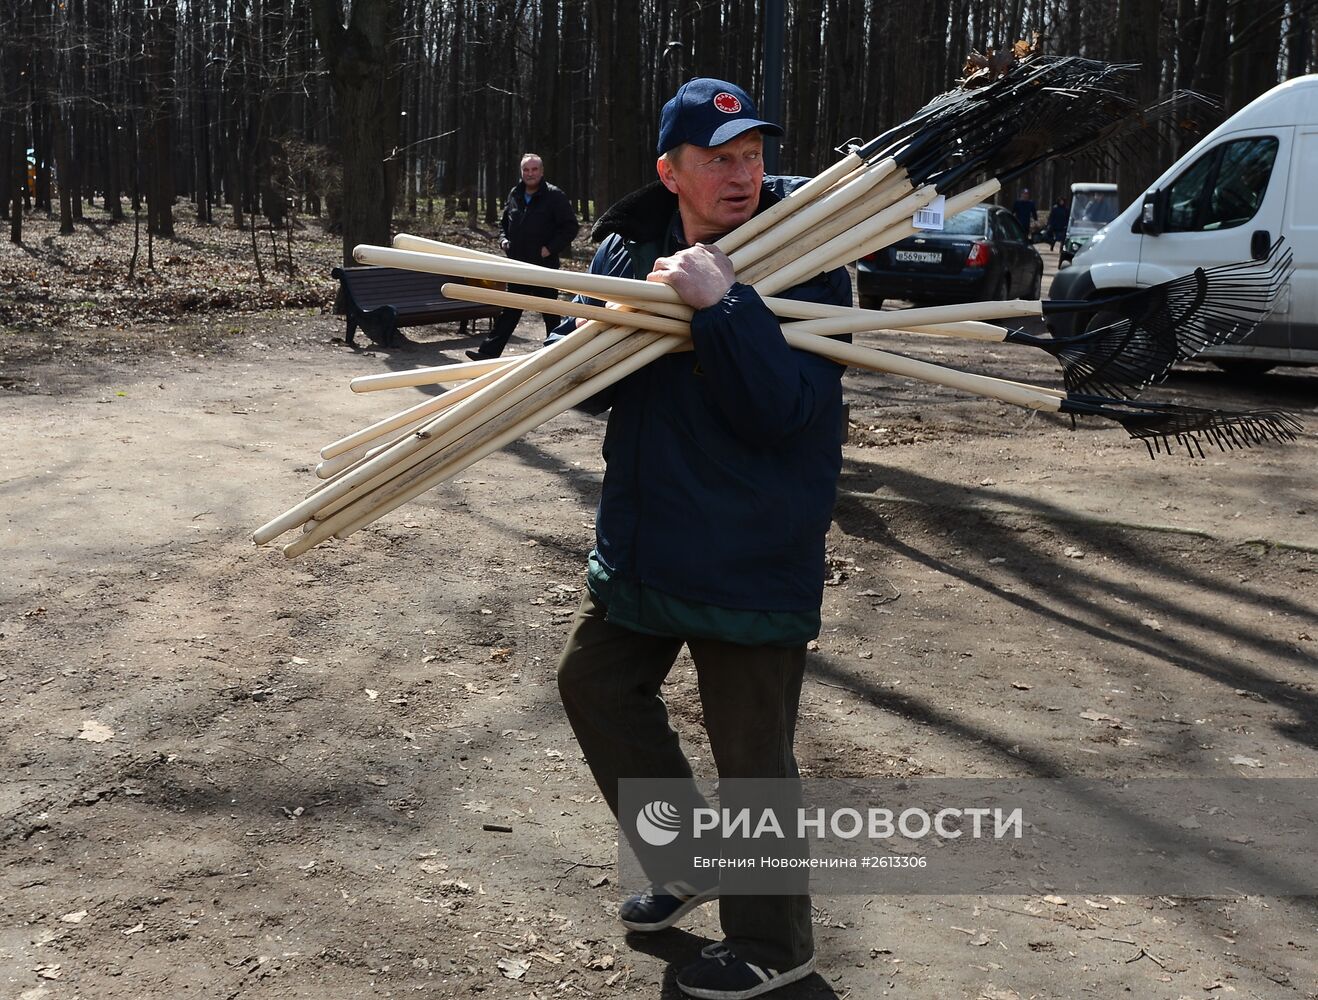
[[967, 223]]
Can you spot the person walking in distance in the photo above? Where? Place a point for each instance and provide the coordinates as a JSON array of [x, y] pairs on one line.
[[1058, 218], [538, 226], [1025, 211]]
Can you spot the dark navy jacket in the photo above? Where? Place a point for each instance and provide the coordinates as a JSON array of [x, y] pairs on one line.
[[546, 221], [722, 463]]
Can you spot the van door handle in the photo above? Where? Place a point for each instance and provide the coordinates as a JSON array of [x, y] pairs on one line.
[[1259, 244]]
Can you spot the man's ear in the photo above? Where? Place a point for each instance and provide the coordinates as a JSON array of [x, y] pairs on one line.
[[664, 168]]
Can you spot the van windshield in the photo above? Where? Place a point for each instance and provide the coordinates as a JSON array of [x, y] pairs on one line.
[[1091, 209]]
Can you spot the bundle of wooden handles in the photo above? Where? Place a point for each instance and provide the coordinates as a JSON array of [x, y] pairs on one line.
[[854, 208]]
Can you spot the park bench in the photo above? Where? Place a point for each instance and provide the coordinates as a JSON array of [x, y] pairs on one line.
[[382, 299]]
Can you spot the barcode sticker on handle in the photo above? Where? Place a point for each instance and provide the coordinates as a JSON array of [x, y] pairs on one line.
[[931, 216]]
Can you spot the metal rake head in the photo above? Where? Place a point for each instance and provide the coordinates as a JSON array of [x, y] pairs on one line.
[[1228, 431], [1158, 425], [1040, 109], [1211, 306], [1119, 359], [1039, 106], [1163, 324]]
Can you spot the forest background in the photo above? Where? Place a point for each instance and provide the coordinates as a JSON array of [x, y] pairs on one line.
[[263, 109]]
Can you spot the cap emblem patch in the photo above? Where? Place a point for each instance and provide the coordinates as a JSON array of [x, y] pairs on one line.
[[727, 103]]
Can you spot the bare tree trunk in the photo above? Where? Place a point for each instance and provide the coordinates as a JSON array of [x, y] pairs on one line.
[[17, 180], [1211, 58], [113, 177], [546, 129], [362, 71], [799, 147], [161, 34], [82, 149], [15, 46], [1297, 45], [1137, 41], [137, 239], [1255, 50], [200, 124], [605, 173], [6, 155], [60, 139]]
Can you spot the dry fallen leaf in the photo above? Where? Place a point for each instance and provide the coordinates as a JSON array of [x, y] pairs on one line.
[[95, 732], [513, 968], [1246, 761], [1092, 716]]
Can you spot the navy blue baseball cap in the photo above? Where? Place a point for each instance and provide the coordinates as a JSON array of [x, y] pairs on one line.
[[707, 112]]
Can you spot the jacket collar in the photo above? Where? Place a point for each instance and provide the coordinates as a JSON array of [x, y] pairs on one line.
[[644, 215]]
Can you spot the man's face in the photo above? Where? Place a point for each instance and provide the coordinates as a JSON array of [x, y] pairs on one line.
[[533, 171], [717, 188]]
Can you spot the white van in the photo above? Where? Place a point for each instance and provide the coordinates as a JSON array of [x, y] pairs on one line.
[[1252, 179]]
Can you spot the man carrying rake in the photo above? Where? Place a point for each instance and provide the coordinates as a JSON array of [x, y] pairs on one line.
[[722, 466]]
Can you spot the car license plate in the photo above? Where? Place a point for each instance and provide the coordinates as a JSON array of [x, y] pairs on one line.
[[919, 257]]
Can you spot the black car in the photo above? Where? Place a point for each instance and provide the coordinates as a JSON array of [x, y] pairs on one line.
[[981, 253]]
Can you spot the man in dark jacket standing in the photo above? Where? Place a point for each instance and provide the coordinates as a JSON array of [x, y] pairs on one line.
[[1025, 210], [538, 226], [722, 468]]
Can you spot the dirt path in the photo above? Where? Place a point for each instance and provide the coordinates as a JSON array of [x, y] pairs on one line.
[[303, 755]]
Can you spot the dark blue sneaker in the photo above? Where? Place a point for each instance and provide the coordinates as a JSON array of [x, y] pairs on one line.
[[661, 906], [721, 975]]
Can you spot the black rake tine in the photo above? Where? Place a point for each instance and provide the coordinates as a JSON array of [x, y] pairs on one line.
[[1166, 323], [1158, 424], [1042, 106], [1120, 358], [1184, 113]]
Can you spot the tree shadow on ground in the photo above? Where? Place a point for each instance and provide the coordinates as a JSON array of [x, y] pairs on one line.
[[1104, 612]]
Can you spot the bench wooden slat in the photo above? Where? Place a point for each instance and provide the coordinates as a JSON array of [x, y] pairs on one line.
[[382, 299]]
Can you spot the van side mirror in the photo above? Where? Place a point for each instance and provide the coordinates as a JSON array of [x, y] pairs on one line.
[[1152, 214]]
